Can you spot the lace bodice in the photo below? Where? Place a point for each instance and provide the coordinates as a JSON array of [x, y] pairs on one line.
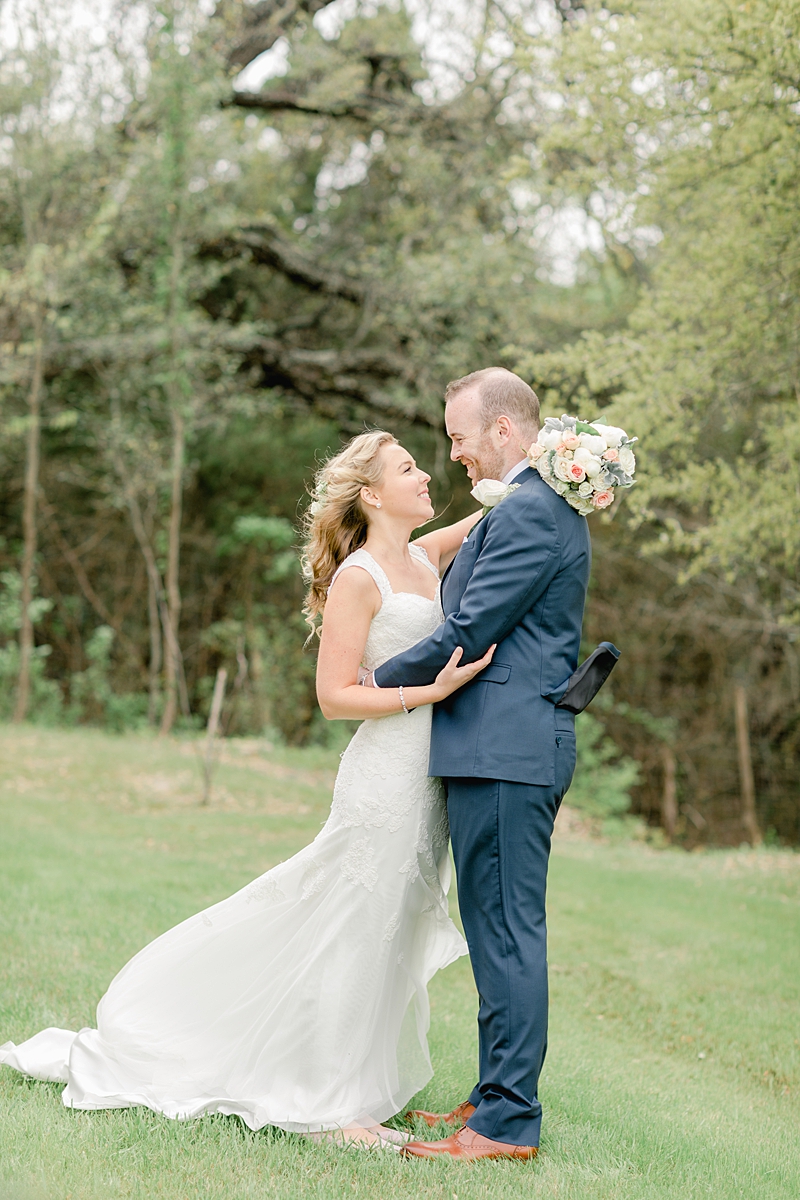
[[404, 618]]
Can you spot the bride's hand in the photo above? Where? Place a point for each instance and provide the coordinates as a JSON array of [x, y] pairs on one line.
[[452, 677]]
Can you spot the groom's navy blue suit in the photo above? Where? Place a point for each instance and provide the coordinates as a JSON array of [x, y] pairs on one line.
[[507, 756]]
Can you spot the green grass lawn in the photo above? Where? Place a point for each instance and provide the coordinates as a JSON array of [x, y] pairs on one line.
[[674, 1061]]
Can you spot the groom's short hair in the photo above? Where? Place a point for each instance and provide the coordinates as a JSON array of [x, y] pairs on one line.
[[501, 394]]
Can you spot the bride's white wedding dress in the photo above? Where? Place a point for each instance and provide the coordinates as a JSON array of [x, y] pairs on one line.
[[301, 1001]]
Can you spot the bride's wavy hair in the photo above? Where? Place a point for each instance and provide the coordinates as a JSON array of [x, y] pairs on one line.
[[336, 521]]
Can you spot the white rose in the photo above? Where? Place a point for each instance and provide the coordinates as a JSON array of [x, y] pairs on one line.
[[550, 438], [562, 488], [594, 444], [489, 492], [627, 460], [611, 435], [585, 489], [590, 463], [562, 469]]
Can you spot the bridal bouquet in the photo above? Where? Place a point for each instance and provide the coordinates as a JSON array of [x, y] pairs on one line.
[[584, 462]]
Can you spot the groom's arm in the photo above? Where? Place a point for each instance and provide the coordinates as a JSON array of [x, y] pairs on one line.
[[519, 557]]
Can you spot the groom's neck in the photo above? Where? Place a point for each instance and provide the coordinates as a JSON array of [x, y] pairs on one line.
[[511, 459]]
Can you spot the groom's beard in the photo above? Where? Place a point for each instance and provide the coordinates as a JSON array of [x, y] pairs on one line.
[[488, 463]]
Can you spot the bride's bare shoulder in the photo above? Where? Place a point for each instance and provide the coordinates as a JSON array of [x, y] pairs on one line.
[[354, 587]]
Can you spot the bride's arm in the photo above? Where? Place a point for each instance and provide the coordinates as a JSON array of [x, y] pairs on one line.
[[442, 545], [350, 607]]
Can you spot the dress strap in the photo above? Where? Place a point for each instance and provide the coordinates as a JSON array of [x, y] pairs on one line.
[[362, 558], [421, 555]]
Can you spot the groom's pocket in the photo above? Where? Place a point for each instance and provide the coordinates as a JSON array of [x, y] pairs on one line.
[[494, 673], [566, 755]]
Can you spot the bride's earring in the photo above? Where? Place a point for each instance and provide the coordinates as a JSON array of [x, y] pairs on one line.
[[378, 505]]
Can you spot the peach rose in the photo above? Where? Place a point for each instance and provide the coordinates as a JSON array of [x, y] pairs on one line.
[[603, 499], [536, 451], [611, 455], [577, 473], [571, 439]]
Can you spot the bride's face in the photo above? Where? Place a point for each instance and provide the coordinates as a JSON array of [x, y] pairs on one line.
[[403, 489]]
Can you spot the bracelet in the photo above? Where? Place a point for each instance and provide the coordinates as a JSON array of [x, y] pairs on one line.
[[403, 701]]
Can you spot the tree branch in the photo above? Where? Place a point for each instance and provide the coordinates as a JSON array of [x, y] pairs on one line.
[[289, 102], [49, 513], [332, 381], [379, 110], [260, 25], [266, 246]]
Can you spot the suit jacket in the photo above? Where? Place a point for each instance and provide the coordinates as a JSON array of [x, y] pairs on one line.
[[519, 580]]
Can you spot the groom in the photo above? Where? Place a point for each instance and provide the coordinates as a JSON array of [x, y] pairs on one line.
[[505, 753]]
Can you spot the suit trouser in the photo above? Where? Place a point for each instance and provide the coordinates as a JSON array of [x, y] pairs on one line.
[[501, 844]]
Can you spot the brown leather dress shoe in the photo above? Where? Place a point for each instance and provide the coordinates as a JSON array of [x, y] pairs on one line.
[[468, 1145], [459, 1116]]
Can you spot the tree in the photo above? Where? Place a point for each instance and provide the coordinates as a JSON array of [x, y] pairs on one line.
[[55, 212], [679, 134]]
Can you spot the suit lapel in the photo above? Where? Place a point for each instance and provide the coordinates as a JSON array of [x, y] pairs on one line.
[[445, 578], [523, 477]]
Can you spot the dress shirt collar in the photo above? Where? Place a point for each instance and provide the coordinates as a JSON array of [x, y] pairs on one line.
[[516, 470]]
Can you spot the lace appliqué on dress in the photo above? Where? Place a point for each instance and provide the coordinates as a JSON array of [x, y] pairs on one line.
[[358, 865], [313, 879], [265, 889], [392, 926]]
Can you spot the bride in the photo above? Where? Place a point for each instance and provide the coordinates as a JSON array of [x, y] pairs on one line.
[[301, 1001]]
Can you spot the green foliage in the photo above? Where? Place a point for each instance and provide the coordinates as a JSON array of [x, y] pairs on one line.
[[274, 532], [678, 136], [46, 705], [92, 697], [601, 787], [692, 120]]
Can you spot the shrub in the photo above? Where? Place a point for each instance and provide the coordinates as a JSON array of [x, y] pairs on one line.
[[603, 777]]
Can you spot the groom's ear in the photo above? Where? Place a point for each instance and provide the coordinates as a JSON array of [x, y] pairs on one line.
[[505, 429]]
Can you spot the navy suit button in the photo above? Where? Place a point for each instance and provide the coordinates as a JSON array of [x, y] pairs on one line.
[[558, 741]]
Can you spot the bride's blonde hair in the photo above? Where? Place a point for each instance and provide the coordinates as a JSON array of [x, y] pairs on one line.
[[336, 522]]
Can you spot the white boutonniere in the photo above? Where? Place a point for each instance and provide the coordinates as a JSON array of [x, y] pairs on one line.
[[489, 492]]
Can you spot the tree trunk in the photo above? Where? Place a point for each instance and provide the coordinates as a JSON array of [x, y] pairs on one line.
[[173, 665], [748, 787], [669, 798], [154, 666], [213, 726], [157, 604], [29, 525]]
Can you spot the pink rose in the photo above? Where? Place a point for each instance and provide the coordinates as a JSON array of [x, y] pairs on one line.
[[561, 450], [611, 455], [603, 499], [576, 472]]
